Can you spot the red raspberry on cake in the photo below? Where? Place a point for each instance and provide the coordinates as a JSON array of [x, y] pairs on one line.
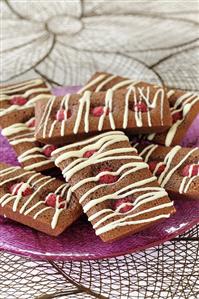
[[51, 207], [31, 123], [88, 154], [190, 170], [177, 168], [99, 111], [48, 149], [18, 100], [21, 95], [106, 185], [102, 112], [14, 189], [125, 208], [31, 154], [18, 119], [153, 165], [108, 178], [176, 97], [177, 116], [63, 114], [139, 107], [52, 198]]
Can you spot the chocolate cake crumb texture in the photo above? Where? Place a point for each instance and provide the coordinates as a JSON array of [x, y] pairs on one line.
[[43, 198], [176, 168], [137, 109], [114, 185], [30, 153], [184, 106], [17, 100]]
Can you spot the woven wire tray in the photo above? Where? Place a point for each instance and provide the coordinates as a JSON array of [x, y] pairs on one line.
[[167, 271]]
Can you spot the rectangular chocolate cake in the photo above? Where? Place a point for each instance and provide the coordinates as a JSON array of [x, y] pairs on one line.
[[38, 201], [184, 105], [176, 168], [61, 120], [113, 184], [31, 154], [184, 108], [17, 100]]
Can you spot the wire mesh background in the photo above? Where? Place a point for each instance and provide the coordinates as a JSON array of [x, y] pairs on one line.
[[167, 271], [65, 42]]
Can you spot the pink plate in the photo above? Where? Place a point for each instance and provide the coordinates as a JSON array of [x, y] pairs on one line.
[[79, 242]]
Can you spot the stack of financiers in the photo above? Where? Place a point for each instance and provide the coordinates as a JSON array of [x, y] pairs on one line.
[[122, 184]]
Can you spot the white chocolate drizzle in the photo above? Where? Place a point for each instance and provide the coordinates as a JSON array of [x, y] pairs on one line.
[[102, 79], [20, 86], [93, 82], [133, 164], [84, 101], [171, 167], [123, 83], [31, 88], [15, 135], [108, 106], [101, 85], [183, 104], [134, 94], [33, 182]]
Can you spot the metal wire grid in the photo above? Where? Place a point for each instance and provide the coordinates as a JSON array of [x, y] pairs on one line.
[[169, 271]]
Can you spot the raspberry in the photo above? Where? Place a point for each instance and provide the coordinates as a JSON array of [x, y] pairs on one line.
[[51, 200], [121, 201], [190, 170], [31, 123], [20, 101], [63, 115], [176, 116], [140, 107], [88, 154], [152, 166], [107, 178], [47, 151], [27, 191], [14, 189], [98, 111]]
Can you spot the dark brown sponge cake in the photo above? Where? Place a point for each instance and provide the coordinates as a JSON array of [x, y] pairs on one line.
[[17, 100], [184, 108], [31, 154], [102, 81], [113, 184], [176, 168], [41, 202], [184, 105], [135, 110]]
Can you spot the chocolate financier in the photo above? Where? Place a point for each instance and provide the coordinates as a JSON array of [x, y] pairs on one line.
[[114, 185], [61, 120], [184, 106], [176, 168], [17, 100], [41, 202]]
